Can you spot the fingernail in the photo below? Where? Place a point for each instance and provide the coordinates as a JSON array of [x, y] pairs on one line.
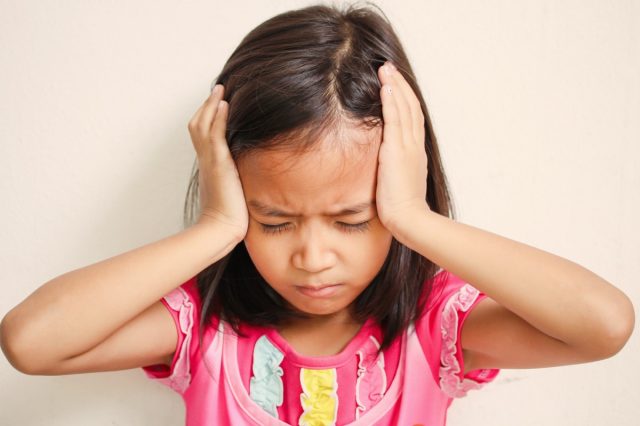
[[216, 89], [393, 67]]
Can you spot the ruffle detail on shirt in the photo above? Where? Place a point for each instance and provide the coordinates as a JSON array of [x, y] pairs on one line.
[[371, 383], [450, 382], [179, 301], [265, 386], [319, 398]]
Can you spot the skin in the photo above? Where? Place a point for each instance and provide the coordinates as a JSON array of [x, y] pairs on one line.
[[316, 248], [541, 311], [531, 317]]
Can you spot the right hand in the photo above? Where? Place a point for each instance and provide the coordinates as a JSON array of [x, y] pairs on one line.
[[221, 197]]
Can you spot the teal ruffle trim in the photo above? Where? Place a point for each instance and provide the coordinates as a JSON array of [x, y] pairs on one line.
[[266, 387]]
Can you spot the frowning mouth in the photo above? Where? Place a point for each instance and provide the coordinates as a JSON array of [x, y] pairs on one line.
[[322, 290]]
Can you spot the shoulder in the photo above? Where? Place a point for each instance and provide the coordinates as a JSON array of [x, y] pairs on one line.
[[185, 306], [439, 331], [185, 291], [449, 301], [185, 298]]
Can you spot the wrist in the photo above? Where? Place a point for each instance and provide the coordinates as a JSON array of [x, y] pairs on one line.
[[403, 226], [233, 234]]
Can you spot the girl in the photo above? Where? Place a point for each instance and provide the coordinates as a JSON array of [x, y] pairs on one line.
[[321, 278]]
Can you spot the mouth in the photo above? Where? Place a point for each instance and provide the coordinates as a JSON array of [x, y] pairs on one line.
[[322, 290]]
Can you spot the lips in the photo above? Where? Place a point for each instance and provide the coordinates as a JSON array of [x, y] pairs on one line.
[[319, 291], [317, 286]]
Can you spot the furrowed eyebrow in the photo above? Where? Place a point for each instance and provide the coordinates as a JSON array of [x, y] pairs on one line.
[[266, 210]]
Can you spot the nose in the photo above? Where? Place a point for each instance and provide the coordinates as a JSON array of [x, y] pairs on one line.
[[314, 253]]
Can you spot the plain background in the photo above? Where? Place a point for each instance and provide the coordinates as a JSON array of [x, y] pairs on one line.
[[535, 106]]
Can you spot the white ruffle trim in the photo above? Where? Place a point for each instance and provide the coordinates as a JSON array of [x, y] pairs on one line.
[[179, 301], [450, 382]]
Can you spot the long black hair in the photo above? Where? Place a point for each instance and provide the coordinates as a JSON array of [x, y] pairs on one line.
[[290, 80]]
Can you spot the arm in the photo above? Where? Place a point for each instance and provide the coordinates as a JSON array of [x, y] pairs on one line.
[[548, 294], [78, 310], [541, 310]]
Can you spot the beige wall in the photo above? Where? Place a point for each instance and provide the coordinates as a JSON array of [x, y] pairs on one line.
[[535, 105]]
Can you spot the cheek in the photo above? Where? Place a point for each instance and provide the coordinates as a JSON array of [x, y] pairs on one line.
[[262, 251], [366, 255], [379, 249], [257, 245]]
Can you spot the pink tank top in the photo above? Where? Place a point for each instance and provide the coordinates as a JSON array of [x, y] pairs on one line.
[[262, 380]]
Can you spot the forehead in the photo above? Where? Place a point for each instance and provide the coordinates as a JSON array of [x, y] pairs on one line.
[[340, 169]]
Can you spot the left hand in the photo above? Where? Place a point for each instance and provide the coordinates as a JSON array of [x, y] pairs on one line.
[[402, 159]]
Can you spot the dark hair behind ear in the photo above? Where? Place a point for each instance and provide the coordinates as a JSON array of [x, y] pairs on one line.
[[292, 78]]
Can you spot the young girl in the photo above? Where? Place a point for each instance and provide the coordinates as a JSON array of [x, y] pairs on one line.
[[324, 280]]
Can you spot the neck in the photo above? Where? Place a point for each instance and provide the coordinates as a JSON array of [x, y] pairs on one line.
[[342, 319]]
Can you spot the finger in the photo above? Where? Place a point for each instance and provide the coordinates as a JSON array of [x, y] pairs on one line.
[[209, 111], [416, 114], [196, 117], [392, 129], [194, 122], [219, 129], [196, 139], [404, 109]]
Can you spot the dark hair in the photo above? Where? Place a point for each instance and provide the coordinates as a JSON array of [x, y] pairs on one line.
[[291, 79]]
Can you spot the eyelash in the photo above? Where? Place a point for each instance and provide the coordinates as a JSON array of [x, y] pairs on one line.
[[347, 227]]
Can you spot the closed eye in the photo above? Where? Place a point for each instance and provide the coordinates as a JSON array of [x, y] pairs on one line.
[[346, 227]]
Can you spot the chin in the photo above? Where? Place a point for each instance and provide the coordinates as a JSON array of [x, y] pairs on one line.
[[319, 309]]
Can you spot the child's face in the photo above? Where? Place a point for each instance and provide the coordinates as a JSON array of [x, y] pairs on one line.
[[315, 249]]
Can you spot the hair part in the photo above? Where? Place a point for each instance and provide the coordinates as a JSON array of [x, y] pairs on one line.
[[291, 80]]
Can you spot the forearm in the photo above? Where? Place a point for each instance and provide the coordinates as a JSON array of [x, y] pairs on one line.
[[558, 297], [74, 312]]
